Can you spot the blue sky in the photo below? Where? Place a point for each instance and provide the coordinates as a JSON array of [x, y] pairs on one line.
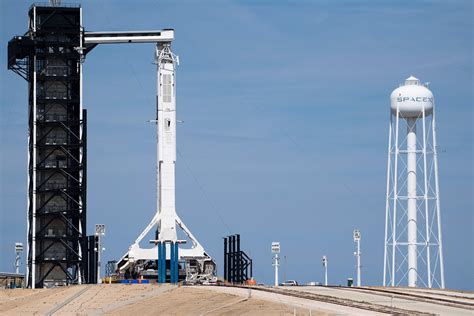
[[286, 126]]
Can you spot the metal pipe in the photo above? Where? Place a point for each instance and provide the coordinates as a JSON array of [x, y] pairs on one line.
[[276, 264], [357, 236], [438, 205], [84, 188], [395, 196], [411, 203], [225, 259], [232, 259], [234, 263], [33, 229], [425, 198], [229, 261], [238, 261], [359, 277], [28, 224], [158, 186], [98, 245], [325, 263], [81, 153], [387, 201]]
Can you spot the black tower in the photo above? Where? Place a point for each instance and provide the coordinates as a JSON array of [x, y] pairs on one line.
[[49, 57], [237, 265]]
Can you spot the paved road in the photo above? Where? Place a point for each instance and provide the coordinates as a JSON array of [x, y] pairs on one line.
[[435, 306]]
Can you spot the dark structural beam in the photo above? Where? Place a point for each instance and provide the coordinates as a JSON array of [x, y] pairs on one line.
[[237, 265], [49, 58]]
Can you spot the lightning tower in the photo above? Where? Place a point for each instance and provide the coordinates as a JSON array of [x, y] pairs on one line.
[[413, 254]]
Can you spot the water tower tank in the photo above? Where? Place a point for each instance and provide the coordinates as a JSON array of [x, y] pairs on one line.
[[411, 98]]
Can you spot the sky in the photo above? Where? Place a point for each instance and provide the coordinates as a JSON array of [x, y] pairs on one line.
[[285, 134]]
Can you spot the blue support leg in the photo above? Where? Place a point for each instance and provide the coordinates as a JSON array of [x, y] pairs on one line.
[[163, 262], [176, 263], [172, 262], [159, 262]]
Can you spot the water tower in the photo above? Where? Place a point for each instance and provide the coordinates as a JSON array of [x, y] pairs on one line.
[[413, 253]]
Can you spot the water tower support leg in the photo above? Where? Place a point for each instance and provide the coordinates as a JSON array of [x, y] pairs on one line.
[[412, 209]]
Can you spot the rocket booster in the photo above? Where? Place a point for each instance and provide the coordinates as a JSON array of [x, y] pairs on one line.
[[166, 134]]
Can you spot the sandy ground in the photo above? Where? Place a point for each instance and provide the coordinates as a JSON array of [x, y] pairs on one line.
[[154, 299], [201, 301], [136, 299], [305, 305], [29, 302], [390, 300]]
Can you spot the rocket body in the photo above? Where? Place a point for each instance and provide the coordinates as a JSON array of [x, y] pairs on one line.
[[166, 148], [166, 220]]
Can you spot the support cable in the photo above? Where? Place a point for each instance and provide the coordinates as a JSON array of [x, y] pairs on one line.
[[203, 191]]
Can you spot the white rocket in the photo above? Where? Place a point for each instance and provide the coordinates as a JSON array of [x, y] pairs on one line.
[[166, 219]]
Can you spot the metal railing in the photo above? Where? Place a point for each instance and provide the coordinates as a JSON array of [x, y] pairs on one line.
[[62, 5], [61, 71], [55, 141], [55, 185], [52, 117]]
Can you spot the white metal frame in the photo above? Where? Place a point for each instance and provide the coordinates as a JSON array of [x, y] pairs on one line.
[[33, 209], [161, 36], [100, 233], [81, 150], [18, 251], [357, 254], [325, 266], [33, 180], [276, 259], [412, 243]]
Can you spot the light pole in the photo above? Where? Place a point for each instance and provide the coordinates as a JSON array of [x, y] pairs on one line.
[[18, 250], [325, 265], [357, 254], [99, 233], [276, 263]]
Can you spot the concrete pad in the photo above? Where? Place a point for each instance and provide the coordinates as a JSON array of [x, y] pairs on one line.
[[301, 303], [385, 299]]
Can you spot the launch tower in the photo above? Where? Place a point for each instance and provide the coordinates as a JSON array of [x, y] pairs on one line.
[[47, 56]]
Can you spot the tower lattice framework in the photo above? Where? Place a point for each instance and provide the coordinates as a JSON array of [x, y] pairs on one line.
[[413, 253]]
